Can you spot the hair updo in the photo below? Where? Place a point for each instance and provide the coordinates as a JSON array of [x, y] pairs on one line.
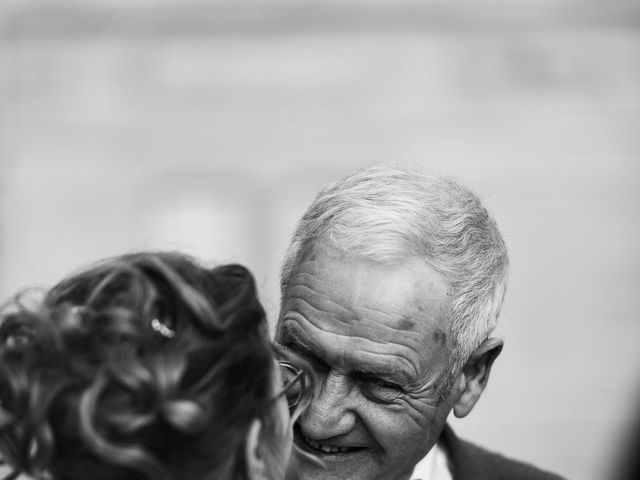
[[144, 366]]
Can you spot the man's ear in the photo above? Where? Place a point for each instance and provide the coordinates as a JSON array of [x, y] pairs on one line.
[[475, 375], [256, 466]]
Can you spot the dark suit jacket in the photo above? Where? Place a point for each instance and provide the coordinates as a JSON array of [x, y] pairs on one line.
[[470, 462]]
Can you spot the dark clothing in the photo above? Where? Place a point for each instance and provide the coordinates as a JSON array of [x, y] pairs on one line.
[[470, 462]]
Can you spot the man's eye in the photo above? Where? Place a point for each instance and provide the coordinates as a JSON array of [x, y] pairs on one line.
[[381, 391]]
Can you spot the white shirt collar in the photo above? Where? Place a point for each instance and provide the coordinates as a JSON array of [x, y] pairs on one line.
[[434, 466]]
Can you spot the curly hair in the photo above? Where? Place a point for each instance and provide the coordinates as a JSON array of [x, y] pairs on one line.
[[143, 366]]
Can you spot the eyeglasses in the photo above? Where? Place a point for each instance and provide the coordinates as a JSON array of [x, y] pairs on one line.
[[293, 383]]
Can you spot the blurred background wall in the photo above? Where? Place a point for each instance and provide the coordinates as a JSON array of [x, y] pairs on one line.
[[208, 126]]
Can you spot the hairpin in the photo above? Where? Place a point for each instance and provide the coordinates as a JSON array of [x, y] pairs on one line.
[[74, 319], [76, 312], [161, 328]]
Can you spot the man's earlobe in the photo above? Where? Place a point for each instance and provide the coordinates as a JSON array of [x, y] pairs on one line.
[[475, 375], [256, 466]]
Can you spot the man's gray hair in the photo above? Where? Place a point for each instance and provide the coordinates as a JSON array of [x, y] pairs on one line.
[[390, 214]]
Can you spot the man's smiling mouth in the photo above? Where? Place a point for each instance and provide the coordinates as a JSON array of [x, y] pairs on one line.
[[327, 448]]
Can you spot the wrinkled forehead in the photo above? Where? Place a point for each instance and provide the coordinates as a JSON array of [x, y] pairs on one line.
[[361, 294], [359, 314]]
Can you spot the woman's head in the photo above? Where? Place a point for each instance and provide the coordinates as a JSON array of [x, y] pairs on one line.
[[145, 366]]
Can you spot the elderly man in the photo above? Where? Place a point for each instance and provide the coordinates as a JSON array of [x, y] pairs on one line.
[[391, 288]]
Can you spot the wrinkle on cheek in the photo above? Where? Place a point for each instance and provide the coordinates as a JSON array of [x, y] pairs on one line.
[[428, 392], [420, 412]]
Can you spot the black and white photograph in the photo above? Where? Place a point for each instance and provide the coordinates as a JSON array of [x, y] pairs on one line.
[[319, 240]]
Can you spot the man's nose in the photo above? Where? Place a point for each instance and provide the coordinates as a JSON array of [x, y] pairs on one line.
[[330, 413]]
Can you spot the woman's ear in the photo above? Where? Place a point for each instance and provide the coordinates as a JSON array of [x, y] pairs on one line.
[[256, 466], [475, 375]]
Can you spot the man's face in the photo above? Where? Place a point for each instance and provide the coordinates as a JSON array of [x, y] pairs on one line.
[[378, 338]]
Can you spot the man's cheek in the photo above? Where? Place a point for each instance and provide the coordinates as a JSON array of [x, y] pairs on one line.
[[416, 412]]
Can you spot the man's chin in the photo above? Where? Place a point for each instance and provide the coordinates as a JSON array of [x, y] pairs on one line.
[[303, 469]]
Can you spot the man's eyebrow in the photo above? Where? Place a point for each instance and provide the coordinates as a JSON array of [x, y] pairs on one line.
[[291, 338]]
